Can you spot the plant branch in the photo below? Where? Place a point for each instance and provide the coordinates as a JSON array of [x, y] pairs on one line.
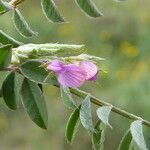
[[94, 100], [116, 110], [15, 3]]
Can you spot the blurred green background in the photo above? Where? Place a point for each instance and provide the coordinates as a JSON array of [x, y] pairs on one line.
[[122, 37]]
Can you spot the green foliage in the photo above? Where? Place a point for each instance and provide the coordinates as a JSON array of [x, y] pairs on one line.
[[137, 134], [22, 26], [90, 57], [33, 70], [126, 141], [72, 125], [85, 114], [67, 97], [6, 39], [51, 11], [103, 114], [10, 91], [120, 48], [34, 104], [3, 75], [4, 7], [50, 49], [96, 136], [5, 56], [89, 8]]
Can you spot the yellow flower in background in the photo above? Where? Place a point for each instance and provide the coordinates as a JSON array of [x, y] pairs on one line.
[[122, 74], [141, 68], [129, 50], [144, 17]]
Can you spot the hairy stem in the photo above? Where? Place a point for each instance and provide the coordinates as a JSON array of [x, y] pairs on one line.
[[15, 3], [95, 101], [116, 110]]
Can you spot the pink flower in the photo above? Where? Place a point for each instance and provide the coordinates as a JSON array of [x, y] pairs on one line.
[[91, 70], [68, 75], [72, 75]]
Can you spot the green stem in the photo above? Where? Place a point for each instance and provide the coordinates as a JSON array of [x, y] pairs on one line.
[[96, 101], [117, 110]]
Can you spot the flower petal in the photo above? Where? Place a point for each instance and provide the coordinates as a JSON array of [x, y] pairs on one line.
[[94, 78], [91, 70], [73, 76], [56, 66]]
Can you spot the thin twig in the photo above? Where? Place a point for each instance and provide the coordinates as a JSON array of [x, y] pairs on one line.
[[95, 101], [116, 110], [15, 3]]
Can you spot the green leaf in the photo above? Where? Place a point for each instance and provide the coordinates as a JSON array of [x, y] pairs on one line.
[[41, 87], [67, 97], [22, 26], [34, 103], [5, 55], [85, 114], [50, 49], [3, 75], [90, 57], [96, 136], [4, 7], [89, 8], [137, 134], [72, 125], [51, 11], [6, 39], [131, 147], [33, 70], [10, 91], [103, 114], [126, 141], [102, 140]]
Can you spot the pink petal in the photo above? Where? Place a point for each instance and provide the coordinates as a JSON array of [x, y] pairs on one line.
[[91, 70], [73, 76], [94, 78], [56, 66]]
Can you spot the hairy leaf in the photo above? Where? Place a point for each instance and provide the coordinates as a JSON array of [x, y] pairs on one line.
[[22, 26], [51, 11], [6, 39], [85, 114], [3, 75], [67, 97], [126, 141], [50, 49], [90, 57], [102, 140], [5, 55], [4, 7], [89, 8], [137, 134], [72, 125], [33, 70], [10, 91], [103, 114], [34, 103], [96, 136]]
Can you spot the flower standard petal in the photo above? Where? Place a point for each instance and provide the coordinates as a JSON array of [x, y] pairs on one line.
[[91, 70], [72, 76], [56, 66]]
